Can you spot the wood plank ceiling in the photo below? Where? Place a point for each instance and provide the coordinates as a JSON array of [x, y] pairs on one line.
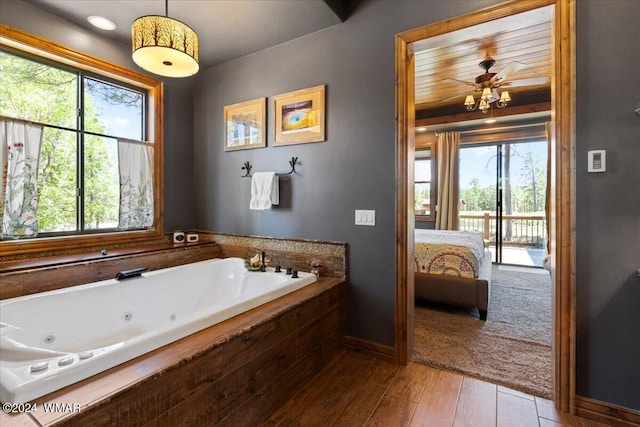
[[443, 63]]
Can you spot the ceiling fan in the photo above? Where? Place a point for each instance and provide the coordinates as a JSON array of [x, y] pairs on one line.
[[488, 82]]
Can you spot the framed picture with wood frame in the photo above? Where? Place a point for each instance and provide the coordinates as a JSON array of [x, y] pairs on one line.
[[245, 125], [299, 116]]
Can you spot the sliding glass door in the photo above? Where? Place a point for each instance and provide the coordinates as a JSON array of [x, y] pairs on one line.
[[502, 194]]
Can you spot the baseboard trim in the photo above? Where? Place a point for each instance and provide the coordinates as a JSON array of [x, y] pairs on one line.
[[607, 413], [376, 350]]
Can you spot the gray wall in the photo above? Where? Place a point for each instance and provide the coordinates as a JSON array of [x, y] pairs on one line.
[[178, 123], [353, 169], [608, 204]]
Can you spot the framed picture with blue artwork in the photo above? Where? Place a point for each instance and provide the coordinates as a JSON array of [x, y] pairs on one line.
[[244, 125], [299, 116]]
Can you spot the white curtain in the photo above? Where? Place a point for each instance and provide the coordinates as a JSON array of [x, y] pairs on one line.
[[547, 196], [447, 145], [20, 144], [135, 160]]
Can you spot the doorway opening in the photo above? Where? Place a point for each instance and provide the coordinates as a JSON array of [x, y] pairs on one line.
[[561, 206]]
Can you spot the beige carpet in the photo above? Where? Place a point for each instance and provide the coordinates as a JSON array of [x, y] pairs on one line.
[[512, 348]]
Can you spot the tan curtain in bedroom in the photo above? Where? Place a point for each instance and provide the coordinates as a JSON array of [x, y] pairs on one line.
[[447, 145]]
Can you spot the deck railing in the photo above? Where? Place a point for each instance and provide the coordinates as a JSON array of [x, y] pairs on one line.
[[517, 230]]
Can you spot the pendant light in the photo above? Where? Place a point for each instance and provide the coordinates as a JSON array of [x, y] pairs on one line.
[[164, 46]]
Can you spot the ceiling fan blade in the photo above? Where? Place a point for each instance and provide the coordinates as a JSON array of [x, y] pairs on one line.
[[534, 81], [456, 81], [461, 94], [513, 67]]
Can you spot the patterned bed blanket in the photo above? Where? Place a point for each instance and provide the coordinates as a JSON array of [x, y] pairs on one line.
[[453, 253]]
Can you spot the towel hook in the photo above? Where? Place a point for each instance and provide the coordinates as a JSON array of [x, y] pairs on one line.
[[248, 167], [292, 163]]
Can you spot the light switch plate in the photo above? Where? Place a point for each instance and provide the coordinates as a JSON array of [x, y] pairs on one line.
[[365, 217], [597, 161]]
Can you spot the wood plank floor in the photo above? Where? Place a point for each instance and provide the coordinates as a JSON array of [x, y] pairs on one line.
[[359, 390]]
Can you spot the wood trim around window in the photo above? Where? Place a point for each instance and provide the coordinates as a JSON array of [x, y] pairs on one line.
[[16, 39], [562, 224]]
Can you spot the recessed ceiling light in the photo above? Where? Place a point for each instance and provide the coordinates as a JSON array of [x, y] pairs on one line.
[[421, 129], [102, 23], [489, 121]]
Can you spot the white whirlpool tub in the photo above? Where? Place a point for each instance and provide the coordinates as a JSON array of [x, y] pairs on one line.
[[53, 339]]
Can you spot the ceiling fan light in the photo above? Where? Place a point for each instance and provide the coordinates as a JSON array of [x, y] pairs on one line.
[[504, 96], [164, 46], [484, 106], [470, 100], [486, 94]]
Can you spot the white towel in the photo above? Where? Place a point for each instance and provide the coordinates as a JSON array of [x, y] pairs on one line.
[[264, 190]]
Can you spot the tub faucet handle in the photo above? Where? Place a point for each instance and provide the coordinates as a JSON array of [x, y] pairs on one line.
[[289, 270], [278, 269], [263, 264], [294, 274]]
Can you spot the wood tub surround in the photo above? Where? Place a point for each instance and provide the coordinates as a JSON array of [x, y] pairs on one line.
[[29, 276], [237, 372]]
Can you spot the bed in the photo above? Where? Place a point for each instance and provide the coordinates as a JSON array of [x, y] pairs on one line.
[[453, 267]]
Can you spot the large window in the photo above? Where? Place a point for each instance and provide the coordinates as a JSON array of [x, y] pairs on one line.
[[78, 184], [424, 186], [85, 110]]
